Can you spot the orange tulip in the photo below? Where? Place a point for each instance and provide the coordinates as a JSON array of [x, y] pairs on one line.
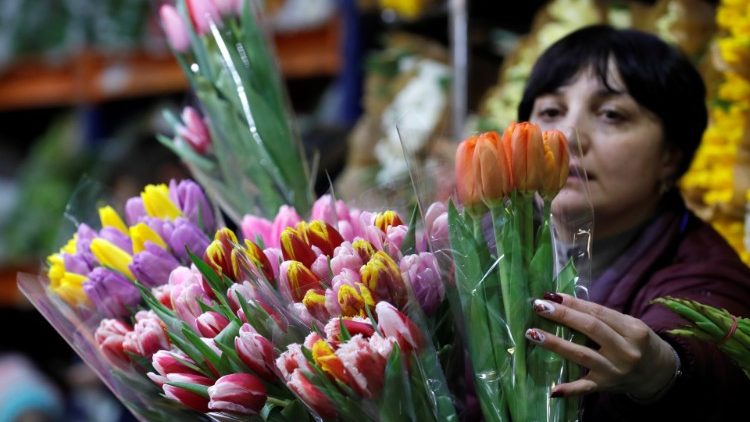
[[523, 142], [466, 175], [492, 168], [556, 161]]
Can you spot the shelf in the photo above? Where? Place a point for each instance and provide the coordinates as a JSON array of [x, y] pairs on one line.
[[95, 77]]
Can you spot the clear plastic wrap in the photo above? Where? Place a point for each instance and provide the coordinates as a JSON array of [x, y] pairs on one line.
[[509, 250]]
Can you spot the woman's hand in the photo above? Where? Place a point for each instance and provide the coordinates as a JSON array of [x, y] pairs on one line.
[[631, 358]]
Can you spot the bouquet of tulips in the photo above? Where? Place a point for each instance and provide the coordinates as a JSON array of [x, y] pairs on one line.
[[325, 317], [731, 334], [501, 180], [243, 149]]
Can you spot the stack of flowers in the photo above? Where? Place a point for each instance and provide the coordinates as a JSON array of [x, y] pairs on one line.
[[223, 326], [222, 50], [502, 175]]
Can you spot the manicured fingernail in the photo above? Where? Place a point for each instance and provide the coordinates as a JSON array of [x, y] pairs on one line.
[[534, 335], [543, 306], [554, 297], [555, 394]]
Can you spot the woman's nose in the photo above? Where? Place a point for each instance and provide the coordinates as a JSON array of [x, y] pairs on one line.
[[576, 133]]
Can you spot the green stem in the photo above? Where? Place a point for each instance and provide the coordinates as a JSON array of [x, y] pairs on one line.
[[278, 402]]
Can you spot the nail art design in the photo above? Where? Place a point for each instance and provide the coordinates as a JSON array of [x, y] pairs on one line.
[[543, 306], [534, 335], [554, 297]]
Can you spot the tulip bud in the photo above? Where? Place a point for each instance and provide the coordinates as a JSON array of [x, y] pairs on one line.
[[191, 200], [254, 227], [194, 131], [171, 362], [365, 366], [364, 249], [203, 14], [423, 273], [556, 162], [297, 279], [387, 219], [315, 303], [492, 168], [395, 324], [291, 360], [109, 218], [219, 252], [157, 203], [141, 234], [354, 326], [187, 236], [354, 300], [325, 358], [110, 335], [185, 397], [324, 236], [211, 323], [149, 335], [256, 352], [153, 265], [346, 257], [436, 227], [382, 277], [286, 217], [174, 27], [111, 256], [257, 260], [523, 143], [295, 246], [135, 212], [311, 395], [467, 178], [111, 293], [237, 393]]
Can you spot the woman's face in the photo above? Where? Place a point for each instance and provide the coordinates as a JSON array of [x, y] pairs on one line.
[[617, 143]]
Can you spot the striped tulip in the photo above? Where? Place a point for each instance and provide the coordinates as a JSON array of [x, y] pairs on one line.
[[324, 236], [256, 352], [211, 323], [311, 395], [239, 393], [295, 246], [183, 396], [387, 219], [398, 326], [382, 277], [297, 279], [365, 366]]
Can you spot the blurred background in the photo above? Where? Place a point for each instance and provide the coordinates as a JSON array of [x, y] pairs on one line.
[[84, 83]]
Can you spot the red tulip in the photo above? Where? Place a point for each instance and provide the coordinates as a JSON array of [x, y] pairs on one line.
[[398, 326], [364, 364], [382, 277], [110, 336], [187, 398], [211, 323], [311, 395], [324, 236]]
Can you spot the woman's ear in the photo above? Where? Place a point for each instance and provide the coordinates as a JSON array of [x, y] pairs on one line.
[[670, 163]]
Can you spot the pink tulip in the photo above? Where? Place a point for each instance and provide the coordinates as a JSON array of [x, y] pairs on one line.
[[382, 345], [345, 257], [393, 323], [169, 362], [194, 131], [256, 352], [110, 335], [311, 395], [211, 323], [203, 13], [332, 212], [321, 267], [245, 290], [254, 227], [422, 272], [275, 258], [162, 294], [186, 292], [229, 7], [395, 236], [436, 227], [237, 393], [185, 397], [148, 336], [287, 217], [365, 365], [174, 27]]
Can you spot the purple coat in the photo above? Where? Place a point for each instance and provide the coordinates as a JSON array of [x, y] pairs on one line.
[[678, 255]]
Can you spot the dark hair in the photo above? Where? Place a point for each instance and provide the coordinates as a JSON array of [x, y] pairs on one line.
[[656, 75]]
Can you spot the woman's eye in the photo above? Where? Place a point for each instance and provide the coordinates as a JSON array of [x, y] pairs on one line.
[[612, 116], [549, 113]]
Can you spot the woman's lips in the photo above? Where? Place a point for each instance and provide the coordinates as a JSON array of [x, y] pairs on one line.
[[578, 173]]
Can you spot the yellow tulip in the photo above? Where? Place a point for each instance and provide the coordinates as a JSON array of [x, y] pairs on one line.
[[157, 203], [111, 256], [70, 289], [141, 233], [110, 218]]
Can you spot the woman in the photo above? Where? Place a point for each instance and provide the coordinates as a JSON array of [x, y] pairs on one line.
[[633, 109]]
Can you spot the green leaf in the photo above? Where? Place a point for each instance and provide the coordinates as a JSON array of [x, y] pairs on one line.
[[198, 389], [396, 403], [410, 240]]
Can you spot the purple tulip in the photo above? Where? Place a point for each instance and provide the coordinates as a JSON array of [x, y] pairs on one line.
[[187, 235], [111, 293], [190, 198], [117, 238], [423, 272], [85, 235], [436, 228], [134, 210], [153, 265], [76, 263]]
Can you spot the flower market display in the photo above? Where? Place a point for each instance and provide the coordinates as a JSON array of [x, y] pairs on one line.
[[304, 308]]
